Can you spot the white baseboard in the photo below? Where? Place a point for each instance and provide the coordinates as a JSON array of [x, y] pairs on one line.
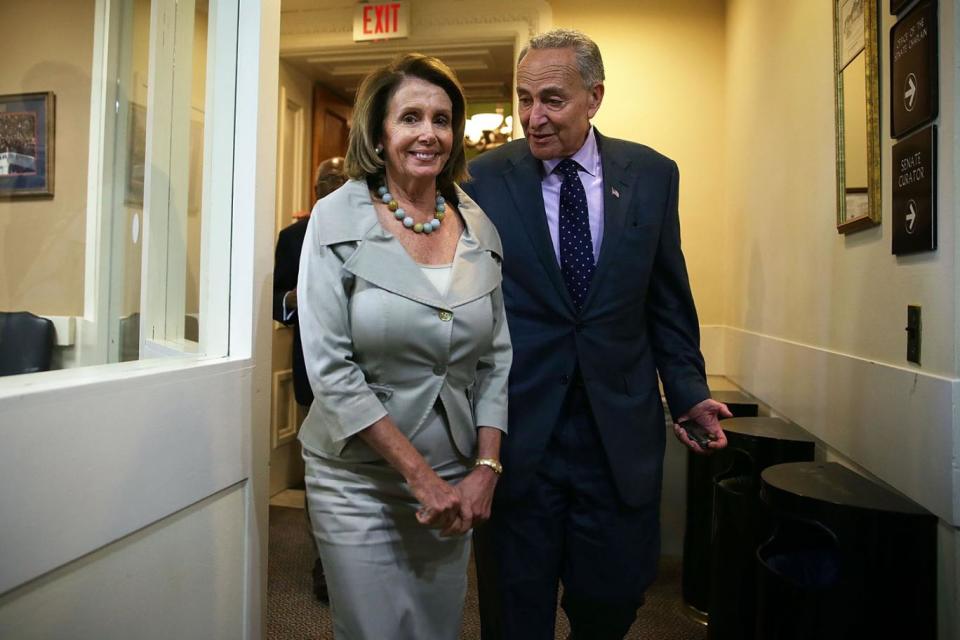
[[895, 422]]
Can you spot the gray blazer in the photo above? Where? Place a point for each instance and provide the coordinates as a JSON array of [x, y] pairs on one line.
[[378, 338]]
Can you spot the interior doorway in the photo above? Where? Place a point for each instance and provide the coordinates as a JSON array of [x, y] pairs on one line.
[[319, 77], [313, 126], [321, 69]]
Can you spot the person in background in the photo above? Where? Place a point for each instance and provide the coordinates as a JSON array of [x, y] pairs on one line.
[[330, 176], [407, 352], [599, 304]]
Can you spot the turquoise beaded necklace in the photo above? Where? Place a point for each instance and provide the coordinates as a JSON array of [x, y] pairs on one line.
[[401, 215]]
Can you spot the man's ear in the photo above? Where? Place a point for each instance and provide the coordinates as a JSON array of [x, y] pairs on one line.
[[596, 97]]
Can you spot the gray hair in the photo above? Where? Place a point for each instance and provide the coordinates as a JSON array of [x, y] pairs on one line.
[[586, 50]]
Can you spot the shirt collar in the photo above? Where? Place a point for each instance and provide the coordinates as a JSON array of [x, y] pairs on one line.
[[588, 157]]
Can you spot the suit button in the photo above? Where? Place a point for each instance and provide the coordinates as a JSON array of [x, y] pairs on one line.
[[564, 379], [439, 370], [579, 327], [445, 315]]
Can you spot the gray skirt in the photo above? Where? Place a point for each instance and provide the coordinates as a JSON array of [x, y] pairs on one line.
[[389, 576]]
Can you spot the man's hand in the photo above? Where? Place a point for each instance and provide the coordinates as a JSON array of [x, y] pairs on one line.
[[707, 414], [290, 300]]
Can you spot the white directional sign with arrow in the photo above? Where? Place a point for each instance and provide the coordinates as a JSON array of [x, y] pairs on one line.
[[911, 217], [910, 92], [914, 73], [914, 161]]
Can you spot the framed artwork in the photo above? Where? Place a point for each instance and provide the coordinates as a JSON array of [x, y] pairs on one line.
[[851, 30], [857, 113], [26, 144]]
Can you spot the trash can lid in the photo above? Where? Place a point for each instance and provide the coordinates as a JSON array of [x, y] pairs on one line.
[[794, 483], [766, 427], [732, 396]]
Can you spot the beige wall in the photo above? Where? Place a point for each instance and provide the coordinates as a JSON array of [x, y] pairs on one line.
[[665, 88], [790, 274], [48, 46]]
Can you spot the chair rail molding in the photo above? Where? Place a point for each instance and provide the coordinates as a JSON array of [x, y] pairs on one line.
[[896, 422]]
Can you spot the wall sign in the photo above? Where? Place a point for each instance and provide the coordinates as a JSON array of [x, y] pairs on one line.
[[914, 80], [381, 20], [915, 192]]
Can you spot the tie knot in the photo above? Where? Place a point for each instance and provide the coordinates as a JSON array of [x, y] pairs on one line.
[[568, 168]]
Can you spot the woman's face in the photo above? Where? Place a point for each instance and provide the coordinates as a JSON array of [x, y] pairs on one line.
[[417, 131]]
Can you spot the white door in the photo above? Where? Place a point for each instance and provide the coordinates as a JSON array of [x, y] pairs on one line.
[[133, 495], [294, 194]]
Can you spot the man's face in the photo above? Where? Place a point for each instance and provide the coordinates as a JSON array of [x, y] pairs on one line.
[[554, 106]]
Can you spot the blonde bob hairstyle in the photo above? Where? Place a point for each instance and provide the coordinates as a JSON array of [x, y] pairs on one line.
[[362, 161]]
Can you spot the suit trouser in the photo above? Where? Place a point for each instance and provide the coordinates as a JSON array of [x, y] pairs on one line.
[[570, 527]]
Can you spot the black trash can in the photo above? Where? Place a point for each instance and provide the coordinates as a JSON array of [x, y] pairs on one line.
[[849, 558], [733, 522], [701, 471], [798, 577], [740, 522]]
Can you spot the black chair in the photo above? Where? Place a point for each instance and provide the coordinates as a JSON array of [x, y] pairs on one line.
[[26, 343]]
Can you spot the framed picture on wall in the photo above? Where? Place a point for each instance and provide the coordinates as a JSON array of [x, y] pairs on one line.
[[26, 144], [851, 30]]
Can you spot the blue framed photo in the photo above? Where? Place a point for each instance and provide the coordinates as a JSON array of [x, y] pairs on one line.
[[27, 144]]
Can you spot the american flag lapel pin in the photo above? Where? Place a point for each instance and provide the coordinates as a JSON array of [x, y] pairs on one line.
[[616, 194]]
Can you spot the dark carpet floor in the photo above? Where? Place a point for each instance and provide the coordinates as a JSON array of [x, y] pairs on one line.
[[294, 614]]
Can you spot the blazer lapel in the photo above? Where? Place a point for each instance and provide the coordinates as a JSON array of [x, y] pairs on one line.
[[475, 271], [381, 260], [523, 180], [617, 193], [379, 257]]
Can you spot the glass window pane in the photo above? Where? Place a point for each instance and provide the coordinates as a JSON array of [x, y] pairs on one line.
[[114, 253], [195, 162], [123, 208], [47, 50]]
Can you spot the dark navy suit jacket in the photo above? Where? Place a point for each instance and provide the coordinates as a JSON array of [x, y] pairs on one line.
[[638, 319], [285, 269]]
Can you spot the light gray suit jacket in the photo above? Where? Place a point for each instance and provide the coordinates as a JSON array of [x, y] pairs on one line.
[[378, 338]]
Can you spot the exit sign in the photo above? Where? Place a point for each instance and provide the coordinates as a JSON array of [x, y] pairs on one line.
[[381, 21]]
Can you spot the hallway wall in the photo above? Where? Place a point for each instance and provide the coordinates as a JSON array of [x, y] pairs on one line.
[[819, 299], [843, 293]]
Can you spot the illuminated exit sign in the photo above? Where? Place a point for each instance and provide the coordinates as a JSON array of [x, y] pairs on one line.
[[381, 20]]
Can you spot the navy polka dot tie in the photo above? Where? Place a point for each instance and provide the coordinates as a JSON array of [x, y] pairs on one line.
[[576, 245]]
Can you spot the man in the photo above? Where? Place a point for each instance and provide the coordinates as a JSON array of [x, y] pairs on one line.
[[598, 303], [286, 265], [287, 261]]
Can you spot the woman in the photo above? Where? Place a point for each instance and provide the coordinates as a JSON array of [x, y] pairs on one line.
[[407, 352]]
